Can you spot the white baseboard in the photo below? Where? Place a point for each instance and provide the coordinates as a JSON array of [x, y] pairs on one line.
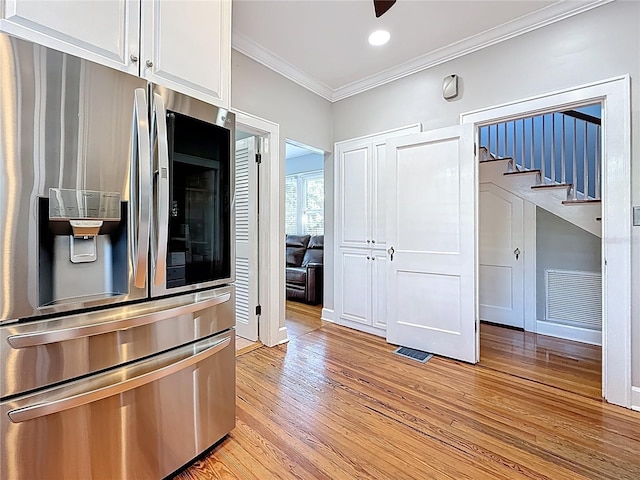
[[577, 334], [635, 398], [282, 337], [327, 315]]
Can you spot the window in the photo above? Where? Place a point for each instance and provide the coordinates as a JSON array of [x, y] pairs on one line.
[[304, 203]]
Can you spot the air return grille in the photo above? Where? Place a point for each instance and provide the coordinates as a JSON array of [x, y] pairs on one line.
[[574, 298]]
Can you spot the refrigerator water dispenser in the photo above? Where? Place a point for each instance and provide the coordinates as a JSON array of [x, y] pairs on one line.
[[83, 243]]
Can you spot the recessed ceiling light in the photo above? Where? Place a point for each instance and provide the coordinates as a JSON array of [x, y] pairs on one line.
[[379, 37]]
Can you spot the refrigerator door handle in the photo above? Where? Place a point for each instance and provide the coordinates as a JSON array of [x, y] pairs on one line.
[[46, 337], [162, 175], [39, 409], [140, 195]]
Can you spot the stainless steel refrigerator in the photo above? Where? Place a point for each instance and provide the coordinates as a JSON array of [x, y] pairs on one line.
[[116, 267]]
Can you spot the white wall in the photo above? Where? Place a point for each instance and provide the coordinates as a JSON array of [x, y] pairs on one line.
[[562, 245], [301, 114], [601, 43]]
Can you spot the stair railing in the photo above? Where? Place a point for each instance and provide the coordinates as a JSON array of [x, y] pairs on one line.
[[564, 146]]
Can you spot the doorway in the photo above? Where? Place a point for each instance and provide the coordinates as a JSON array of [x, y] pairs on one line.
[[271, 330], [304, 237], [613, 94]]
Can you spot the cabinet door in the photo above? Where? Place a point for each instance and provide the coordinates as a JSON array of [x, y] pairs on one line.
[[186, 46], [102, 32], [353, 197], [379, 289], [378, 194], [354, 294]]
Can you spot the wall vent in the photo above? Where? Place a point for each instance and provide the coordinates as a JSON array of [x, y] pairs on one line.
[[574, 298]]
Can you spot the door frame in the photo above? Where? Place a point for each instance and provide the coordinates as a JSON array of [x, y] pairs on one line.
[[614, 95], [270, 255]]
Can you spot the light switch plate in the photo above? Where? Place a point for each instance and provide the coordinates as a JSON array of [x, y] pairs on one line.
[[636, 216]]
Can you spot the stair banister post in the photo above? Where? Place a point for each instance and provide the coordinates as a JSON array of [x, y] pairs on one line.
[[524, 158], [504, 139], [563, 155], [513, 148], [543, 152], [553, 148], [533, 161], [585, 159], [598, 159], [575, 160]]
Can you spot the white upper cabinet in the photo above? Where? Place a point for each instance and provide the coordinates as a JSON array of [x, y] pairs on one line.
[[184, 45], [105, 32]]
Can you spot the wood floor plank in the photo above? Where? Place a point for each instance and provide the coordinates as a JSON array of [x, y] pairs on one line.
[[335, 403]]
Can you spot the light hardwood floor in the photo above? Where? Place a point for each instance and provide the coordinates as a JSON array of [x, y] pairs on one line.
[[335, 403]]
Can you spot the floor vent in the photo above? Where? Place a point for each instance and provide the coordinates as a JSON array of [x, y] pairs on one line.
[[413, 354]]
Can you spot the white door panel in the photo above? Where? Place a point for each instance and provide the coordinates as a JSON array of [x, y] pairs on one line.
[[378, 200], [501, 272], [246, 198], [379, 289], [103, 32], [431, 222], [355, 283], [197, 64], [354, 174]]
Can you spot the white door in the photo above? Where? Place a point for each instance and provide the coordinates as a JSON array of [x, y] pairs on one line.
[[246, 201], [186, 46], [431, 222], [501, 272]]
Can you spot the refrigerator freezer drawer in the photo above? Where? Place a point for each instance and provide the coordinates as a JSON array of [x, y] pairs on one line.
[[144, 420], [37, 354]]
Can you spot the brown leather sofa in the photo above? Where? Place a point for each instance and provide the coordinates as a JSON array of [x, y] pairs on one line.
[[304, 268]]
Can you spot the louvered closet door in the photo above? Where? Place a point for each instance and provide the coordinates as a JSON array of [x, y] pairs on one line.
[[246, 201]]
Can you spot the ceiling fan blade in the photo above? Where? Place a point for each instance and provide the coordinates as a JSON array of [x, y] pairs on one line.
[[382, 6]]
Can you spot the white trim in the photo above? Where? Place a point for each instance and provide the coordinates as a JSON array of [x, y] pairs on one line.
[[635, 398], [248, 47], [271, 249], [281, 336], [530, 268], [615, 96], [577, 334], [519, 26], [327, 315], [380, 135]]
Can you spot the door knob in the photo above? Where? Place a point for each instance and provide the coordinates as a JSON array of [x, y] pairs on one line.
[[149, 63], [133, 58], [516, 252], [391, 251]]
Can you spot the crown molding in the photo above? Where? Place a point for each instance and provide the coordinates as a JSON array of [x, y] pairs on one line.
[[553, 13], [248, 47]]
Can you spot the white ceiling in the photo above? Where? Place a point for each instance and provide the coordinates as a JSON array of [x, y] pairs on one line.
[[322, 44]]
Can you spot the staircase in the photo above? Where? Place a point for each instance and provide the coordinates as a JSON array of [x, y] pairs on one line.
[[551, 160]]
